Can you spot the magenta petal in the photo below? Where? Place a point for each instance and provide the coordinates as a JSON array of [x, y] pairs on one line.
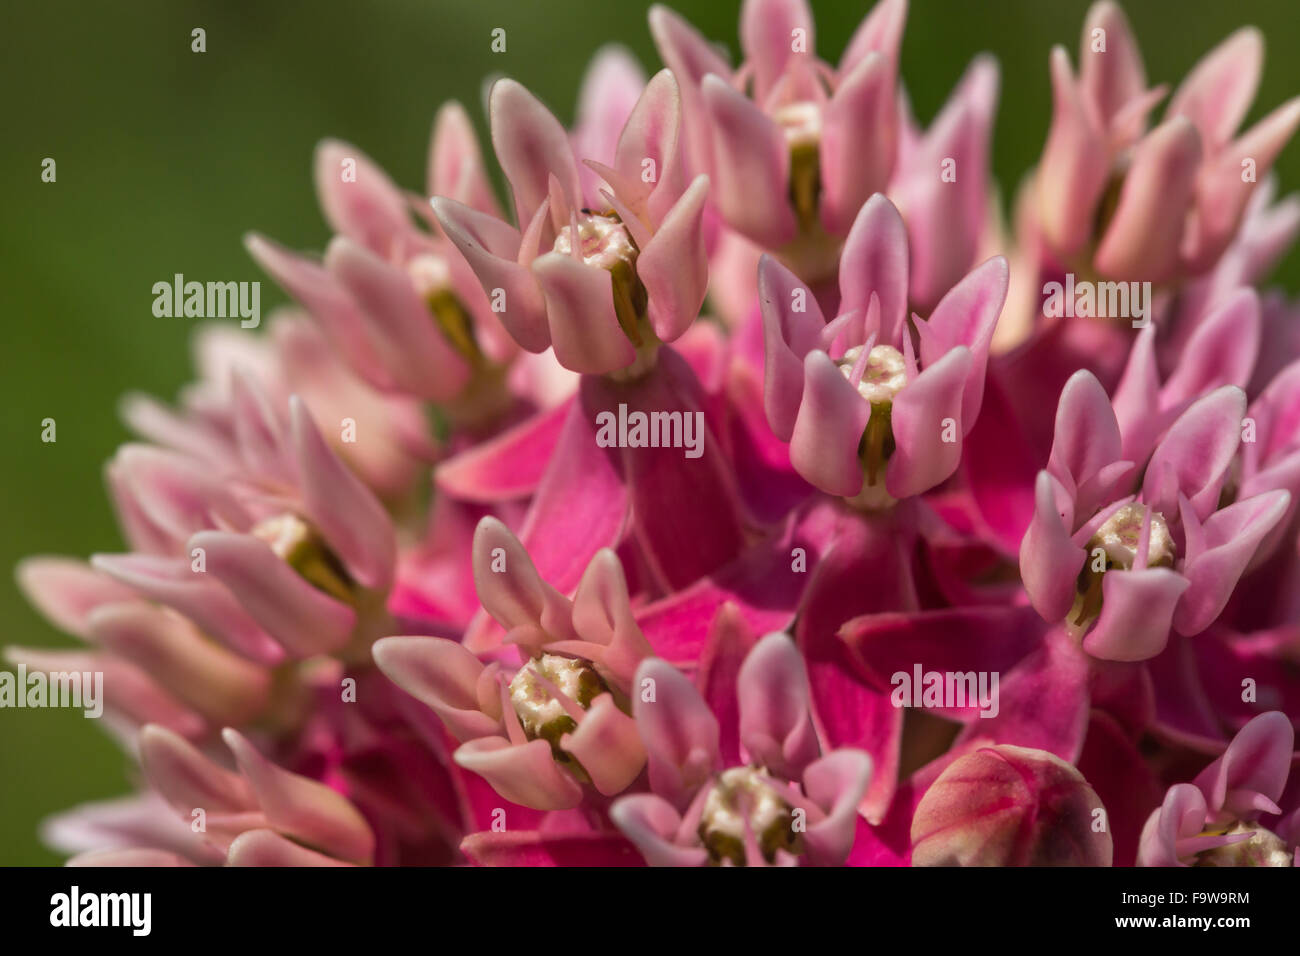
[[729, 643], [858, 141], [1232, 536], [580, 506], [751, 166], [706, 527], [828, 428], [875, 260], [348, 515], [926, 413], [674, 266], [507, 466]]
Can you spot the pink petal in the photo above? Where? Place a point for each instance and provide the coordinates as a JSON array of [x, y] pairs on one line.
[[404, 331], [445, 677], [1232, 537], [775, 723], [304, 620], [526, 774], [268, 848], [1115, 77], [858, 141], [922, 411], [967, 315], [1142, 240], [1074, 167], [368, 208], [531, 146], [348, 515], [828, 428], [751, 166], [67, 590], [215, 682], [674, 267], [1194, 455], [1136, 611], [456, 167], [875, 260], [303, 809], [490, 247], [789, 334], [1217, 93], [580, 312], [679, 731], [607, 746]]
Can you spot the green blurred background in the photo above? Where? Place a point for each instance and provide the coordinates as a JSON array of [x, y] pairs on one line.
[[166, 157]]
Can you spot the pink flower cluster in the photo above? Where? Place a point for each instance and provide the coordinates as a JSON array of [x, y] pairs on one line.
[[739, 493]]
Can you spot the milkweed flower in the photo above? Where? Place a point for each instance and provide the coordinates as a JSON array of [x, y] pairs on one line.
[[1152, 205], [783, 803], [601, 278], [794, 146], [539, 733], [1121, 562], [868, 418], [1214, 820]]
